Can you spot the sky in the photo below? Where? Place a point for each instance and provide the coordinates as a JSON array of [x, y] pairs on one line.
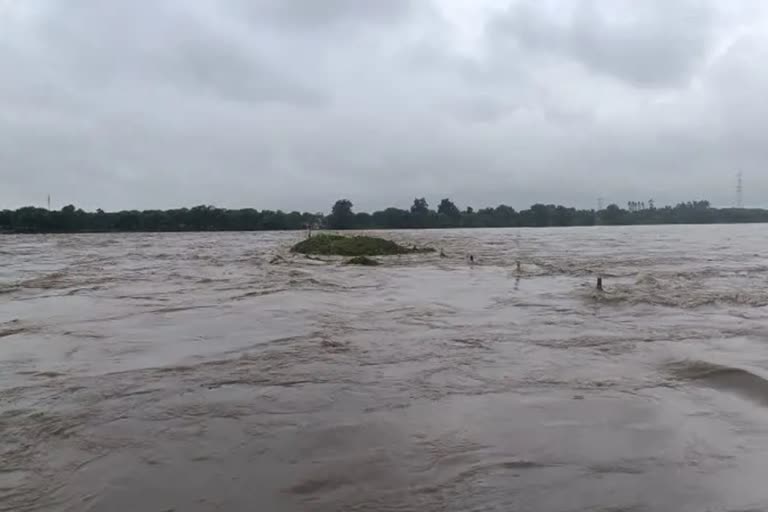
[[293, 104]]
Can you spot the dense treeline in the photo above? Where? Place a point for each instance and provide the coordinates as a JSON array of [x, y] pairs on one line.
[[419, 215]]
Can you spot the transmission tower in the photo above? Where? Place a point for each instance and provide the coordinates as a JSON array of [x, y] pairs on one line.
[[739, 190]]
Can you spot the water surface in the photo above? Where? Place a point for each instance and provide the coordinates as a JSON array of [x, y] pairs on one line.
[[198, 372]]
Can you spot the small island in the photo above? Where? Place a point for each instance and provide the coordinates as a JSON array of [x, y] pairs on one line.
[[359, 247]]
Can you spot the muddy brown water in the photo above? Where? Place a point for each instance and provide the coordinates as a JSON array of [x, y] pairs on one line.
[[185, 372]]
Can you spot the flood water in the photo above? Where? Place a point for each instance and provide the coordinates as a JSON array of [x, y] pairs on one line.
[[197, 373]]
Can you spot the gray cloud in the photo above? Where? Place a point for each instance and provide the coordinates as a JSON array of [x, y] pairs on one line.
[[654, 42], [303, 15], [294, 103], [106, 44], [481, 109]]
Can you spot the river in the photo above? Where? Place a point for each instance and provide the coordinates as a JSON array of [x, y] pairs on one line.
[[199, 372]]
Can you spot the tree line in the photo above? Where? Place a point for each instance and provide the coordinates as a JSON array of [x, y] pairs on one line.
[[343, 216]]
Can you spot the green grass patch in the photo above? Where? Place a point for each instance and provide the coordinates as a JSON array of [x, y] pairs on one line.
[[327, 244]]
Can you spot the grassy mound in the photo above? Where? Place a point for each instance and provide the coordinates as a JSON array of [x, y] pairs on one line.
[[362, 260], [326, 244]]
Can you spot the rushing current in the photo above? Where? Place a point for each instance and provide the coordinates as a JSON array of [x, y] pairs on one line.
[[202, 372]]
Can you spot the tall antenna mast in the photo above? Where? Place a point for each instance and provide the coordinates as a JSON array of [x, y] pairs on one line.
[[49, 201], [739, 190]]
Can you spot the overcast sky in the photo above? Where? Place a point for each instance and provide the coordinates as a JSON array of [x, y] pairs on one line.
[[293, 104]]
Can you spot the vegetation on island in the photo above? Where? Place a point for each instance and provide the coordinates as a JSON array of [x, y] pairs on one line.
[[362, 260], [419, 216], [328, 244]]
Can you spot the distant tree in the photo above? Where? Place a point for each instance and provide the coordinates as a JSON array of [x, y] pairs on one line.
[[209, 218], [447, 208], [363, 220], [612, 214], [420, 206], [391, 218], [341, 216], [541, 215], [505, 216], [564, 216]]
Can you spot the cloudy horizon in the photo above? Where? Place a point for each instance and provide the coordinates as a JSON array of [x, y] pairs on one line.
[[292, 104]]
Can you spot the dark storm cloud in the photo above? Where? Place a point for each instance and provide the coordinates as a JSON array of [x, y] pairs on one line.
[[294, 103]]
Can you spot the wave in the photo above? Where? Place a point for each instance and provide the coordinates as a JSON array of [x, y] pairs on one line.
[[259, 293], [8, 288], [14, 327], [549, 267], [724, 378], [178, 309], [4, 333], [678, 290], [46, 282]]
